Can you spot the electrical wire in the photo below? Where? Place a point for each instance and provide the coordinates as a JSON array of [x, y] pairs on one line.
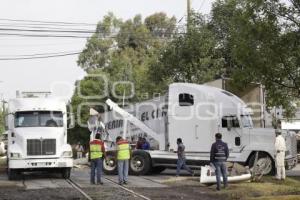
[[55, 29], [48, 22], [45, 30], [39, 54], [43, 27], [36, 35], [40, 57], [36, 45]]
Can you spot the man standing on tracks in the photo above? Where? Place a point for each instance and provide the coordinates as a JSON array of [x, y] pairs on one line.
[[123, 156], [181, 158], [219, 153], [280, 148], [97, 153]]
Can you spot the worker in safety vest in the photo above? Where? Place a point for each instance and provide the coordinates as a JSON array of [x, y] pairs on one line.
[[280, 148], [97, 153], [123, 156]]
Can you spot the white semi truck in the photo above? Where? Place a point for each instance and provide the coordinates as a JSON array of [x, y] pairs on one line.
[[37, 136], [194, 113]]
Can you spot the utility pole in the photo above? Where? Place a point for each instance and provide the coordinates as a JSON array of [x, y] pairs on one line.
[[188, 15]]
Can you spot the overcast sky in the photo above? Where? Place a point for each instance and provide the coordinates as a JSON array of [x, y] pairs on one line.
[[59, 74]]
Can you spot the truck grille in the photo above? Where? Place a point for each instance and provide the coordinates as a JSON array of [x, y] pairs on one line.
[[36, 147]]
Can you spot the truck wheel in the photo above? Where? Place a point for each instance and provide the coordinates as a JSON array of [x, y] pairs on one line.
[[12, 174], [140, 163], [66, 173], [158, 169], [264, 163], [110, 164]]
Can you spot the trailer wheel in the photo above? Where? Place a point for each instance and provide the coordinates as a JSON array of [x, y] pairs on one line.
[[110, 164], [66, 173], [158, 169], [140, 163], [262, 159], [12, 174]]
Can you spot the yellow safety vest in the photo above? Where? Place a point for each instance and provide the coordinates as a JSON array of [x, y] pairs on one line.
[[123, 150], [96, 149]]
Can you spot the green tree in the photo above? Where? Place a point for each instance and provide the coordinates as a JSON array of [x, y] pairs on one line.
[[259, 40], [190, 57], [120, 51]]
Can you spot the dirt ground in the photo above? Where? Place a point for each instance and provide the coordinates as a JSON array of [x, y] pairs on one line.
[[179, 192], [107, 193], [13, 193], [155, 187]]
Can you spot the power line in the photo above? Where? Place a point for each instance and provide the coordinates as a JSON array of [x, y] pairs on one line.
[[48, 22], [86, 37], [46, 30], [35, 35], [54, 29], [42, 27], [36, 45], [40, 54], [40, 57]]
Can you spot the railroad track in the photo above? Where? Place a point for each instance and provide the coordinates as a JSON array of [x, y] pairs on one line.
[[79, 189], [127, 189]]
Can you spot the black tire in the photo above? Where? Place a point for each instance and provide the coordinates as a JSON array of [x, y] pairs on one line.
[[261, 157], [110, 164], [158, 169], [140, 163], [13, 174], [66, 173]]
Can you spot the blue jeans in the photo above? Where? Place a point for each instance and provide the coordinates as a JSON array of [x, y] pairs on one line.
[[96, 165], [123, 166], [221, 169], [181, 164]]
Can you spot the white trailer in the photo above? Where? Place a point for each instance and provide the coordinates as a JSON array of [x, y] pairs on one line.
[[194, 113], [37, 136]]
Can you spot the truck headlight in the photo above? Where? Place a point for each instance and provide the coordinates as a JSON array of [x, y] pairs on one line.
[[15, 155], [67, 154]]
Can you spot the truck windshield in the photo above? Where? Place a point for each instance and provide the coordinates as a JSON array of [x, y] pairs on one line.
[[39, 119], [246, 121]]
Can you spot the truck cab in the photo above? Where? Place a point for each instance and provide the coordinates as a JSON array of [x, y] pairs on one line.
[[37, 136], [197, 112]]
